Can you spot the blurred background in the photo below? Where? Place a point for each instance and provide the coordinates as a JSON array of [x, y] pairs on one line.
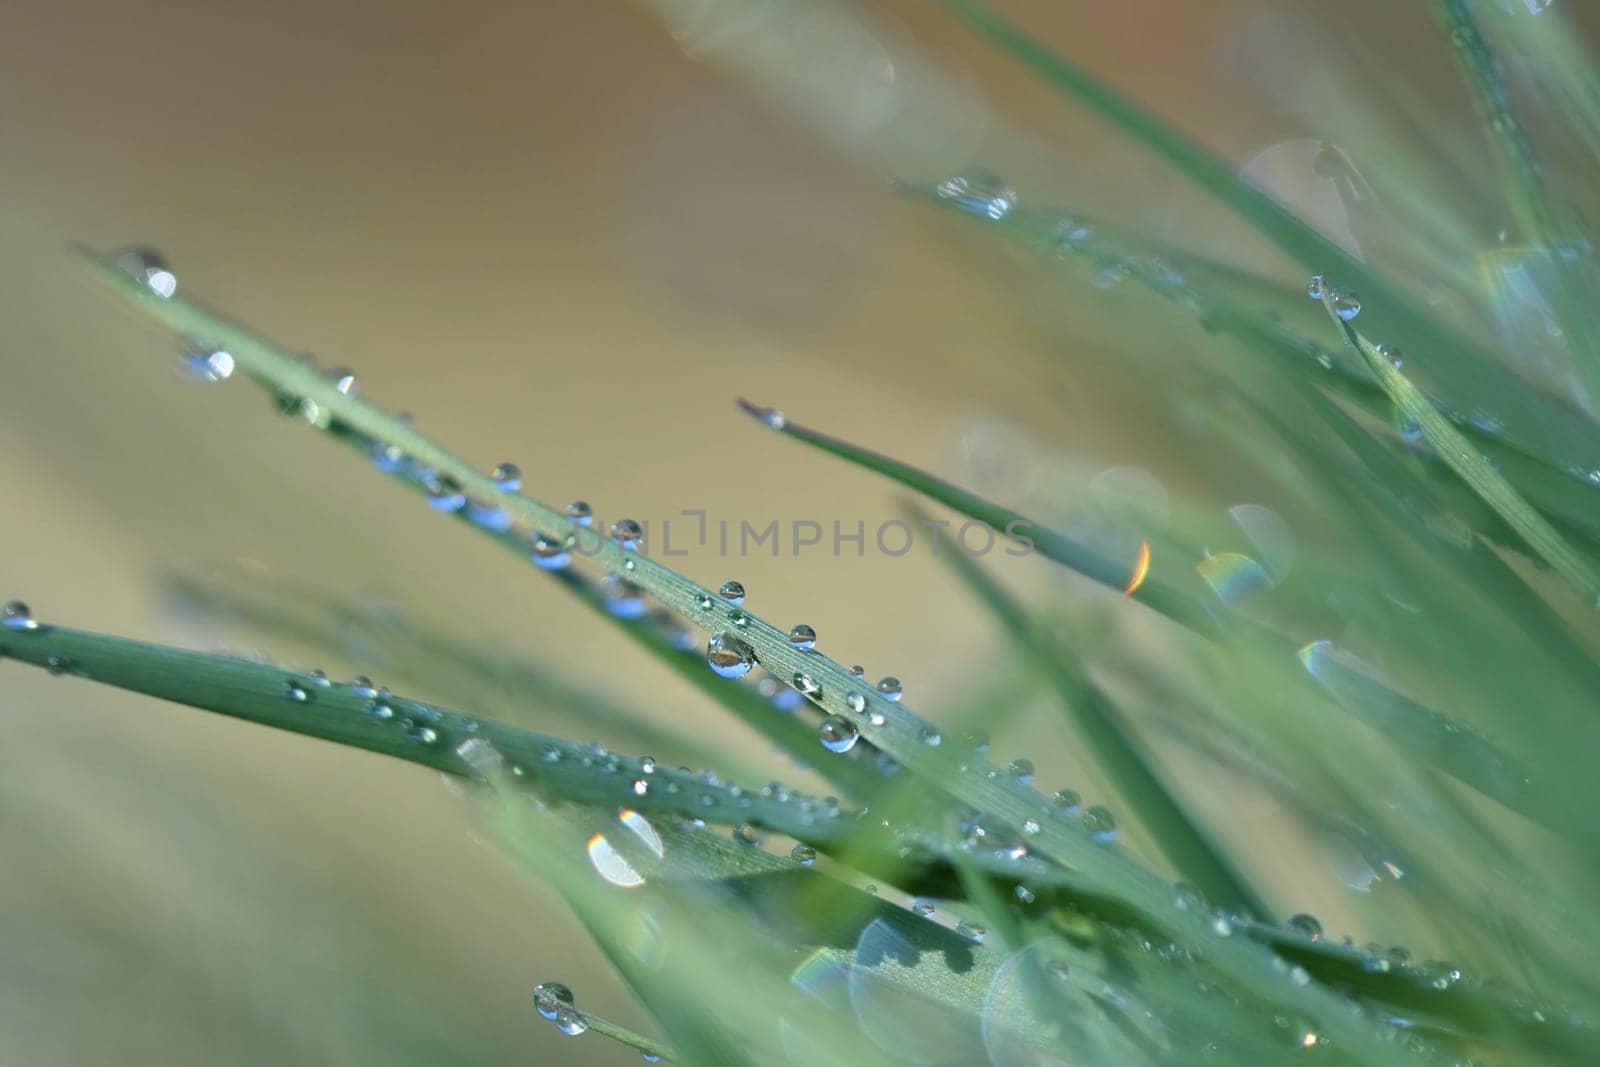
[[558, 240]]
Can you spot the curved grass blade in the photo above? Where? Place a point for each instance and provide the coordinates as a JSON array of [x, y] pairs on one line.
[[1112, 751], [1566, 433]]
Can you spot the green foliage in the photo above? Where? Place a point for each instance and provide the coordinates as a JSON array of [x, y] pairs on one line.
[[1410, 681]]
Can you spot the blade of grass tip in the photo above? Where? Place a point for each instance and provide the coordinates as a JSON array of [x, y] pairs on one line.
[[1111, 750], [1535, 214], [1402, 319], [893, 728], [1123, 575], [1469, 464]]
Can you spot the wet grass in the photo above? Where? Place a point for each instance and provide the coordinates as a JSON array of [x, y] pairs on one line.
[[1409, 672]]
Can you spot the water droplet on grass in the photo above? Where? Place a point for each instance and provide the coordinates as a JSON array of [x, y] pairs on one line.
[[1102, 828], [1021, 770], [550, 997], [149, 268], [296, 692], [803, 636], [1391, 355], [1317, 287], [580, 512], [729, 656], [732, 592], [889, 687], [971, 931], [444, 493], [16, 616], [980, 192], [622, 598], [627, 533], [507, 477], [1306, 926], [931, 737], [549, 553], [838, 734], [1346, 304], [206, 364], [804, 855]]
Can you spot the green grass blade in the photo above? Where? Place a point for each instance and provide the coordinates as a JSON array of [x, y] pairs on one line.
[[1113, 573], [1112, 751], [1536, 215], [1566, 434], [1476, 471], [412, 730]]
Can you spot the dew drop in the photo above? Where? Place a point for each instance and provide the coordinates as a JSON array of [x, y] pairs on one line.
[[1024, 895], [1306, 926], [861, 672], [444, 493], [856, 703], [580, 512], [362, 686], [296, 692], [570, 1022], [807, 685], [732, 592], [980, 192], [838, 734], [1346, 304], [1317, 287], [549, 553], [622, 598], [507, 477], [640, 787], [1102, 828], [1392, 356], [206, 364], [627, 533], [803, 636], [804, 855], [148, 267], [16, 616], [1021, 770], [1065, 800], [1030, 826], [550, 997], [977, 741], [931, 737], [739, 619], [922, 908], [971, 931], [746, 834], [890, 688], [729, 656], [344, 381]]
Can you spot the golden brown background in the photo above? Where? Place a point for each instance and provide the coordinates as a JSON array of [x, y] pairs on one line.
[[558, 240]]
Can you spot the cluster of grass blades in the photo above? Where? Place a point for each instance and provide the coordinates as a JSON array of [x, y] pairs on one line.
[[1413, 689]]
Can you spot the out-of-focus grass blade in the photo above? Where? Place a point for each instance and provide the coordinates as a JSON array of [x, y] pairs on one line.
[[1537, 217], [1475, 377], [1473, 469], [1112, 751]]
